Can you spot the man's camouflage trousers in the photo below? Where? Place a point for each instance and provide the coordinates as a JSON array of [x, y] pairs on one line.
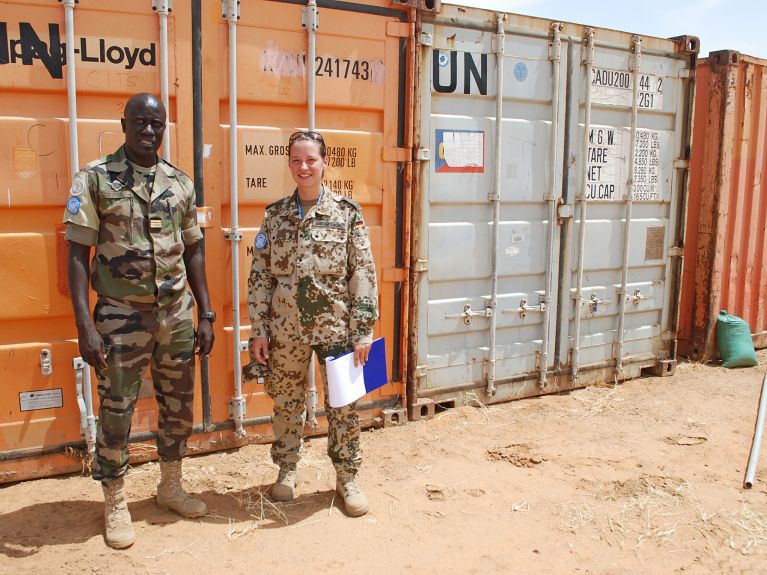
[[137, 336], [286, 384]]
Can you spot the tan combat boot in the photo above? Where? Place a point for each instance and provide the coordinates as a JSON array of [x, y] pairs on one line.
[[355, 502], [118, 529], [170, 494], [284, 488]]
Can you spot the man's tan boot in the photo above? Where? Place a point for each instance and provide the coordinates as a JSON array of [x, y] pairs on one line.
[[285, 487], [171, 495], [118, 529], [355, 502]]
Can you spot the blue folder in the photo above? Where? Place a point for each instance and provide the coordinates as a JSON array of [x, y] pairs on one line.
[[374, 371]]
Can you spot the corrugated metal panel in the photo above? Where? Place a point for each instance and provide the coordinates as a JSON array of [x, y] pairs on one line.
[[535, 332], [725, 253]]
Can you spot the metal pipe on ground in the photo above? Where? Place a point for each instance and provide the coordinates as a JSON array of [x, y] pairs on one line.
[[756, 442]]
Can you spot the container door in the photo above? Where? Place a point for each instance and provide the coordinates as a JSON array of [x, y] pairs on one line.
[[624, 316], [456, 320], [359, 70], [571, 304]]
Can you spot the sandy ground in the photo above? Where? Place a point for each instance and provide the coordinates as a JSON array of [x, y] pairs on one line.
[[643, 477]]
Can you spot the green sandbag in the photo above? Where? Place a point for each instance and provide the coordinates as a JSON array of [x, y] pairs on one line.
[[734, 339]]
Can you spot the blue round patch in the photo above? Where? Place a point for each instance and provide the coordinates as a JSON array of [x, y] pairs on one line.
[[444, 60], [261, 240], [73, 205], [520, 71]]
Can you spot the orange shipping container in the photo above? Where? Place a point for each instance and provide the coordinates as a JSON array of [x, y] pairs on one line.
[[360, 70], [725, 260]]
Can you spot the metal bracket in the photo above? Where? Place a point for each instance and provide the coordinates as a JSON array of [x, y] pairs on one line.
[[423, 155], [244, 345], [685, 73], [468, 313], [594, 302], [636, 53], [233, 236], [421, 266], [555, 44], [162, 6], [237, 409], [420, 371], [310, 17], [681, 164], [675, 252], [588, 40], [230, 10], [637, 297], [46, 362], [668, 336], [524, 308], [425, 39], [565, 211], [498, 42]]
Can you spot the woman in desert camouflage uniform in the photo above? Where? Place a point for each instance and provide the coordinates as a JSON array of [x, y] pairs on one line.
[[312, 287]]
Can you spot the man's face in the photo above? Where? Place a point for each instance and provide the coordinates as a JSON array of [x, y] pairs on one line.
[[143, 125]]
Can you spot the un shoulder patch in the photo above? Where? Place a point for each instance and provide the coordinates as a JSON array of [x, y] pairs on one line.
[[73, 205], [261, 240]]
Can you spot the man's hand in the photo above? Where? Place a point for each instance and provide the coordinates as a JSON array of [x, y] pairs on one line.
[[361, 351], [259, 347], [92, 348], [203, 341]]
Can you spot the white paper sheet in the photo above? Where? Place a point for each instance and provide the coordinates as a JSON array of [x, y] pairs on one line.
[[346, 383], [463, 149]]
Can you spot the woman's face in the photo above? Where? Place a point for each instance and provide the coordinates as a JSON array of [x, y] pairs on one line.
[[306, 164]]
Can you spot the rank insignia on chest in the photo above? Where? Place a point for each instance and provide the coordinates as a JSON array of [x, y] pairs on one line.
[[73, 205], [155, 224], [261, 240]]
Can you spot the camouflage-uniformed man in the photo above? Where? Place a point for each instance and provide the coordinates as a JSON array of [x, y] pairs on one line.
[[139, 212], [312, 286]]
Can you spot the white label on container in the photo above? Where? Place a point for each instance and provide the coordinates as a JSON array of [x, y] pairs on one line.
[[606, 172], [463, 149], [41, 399], [646, 165], [614, 88]]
